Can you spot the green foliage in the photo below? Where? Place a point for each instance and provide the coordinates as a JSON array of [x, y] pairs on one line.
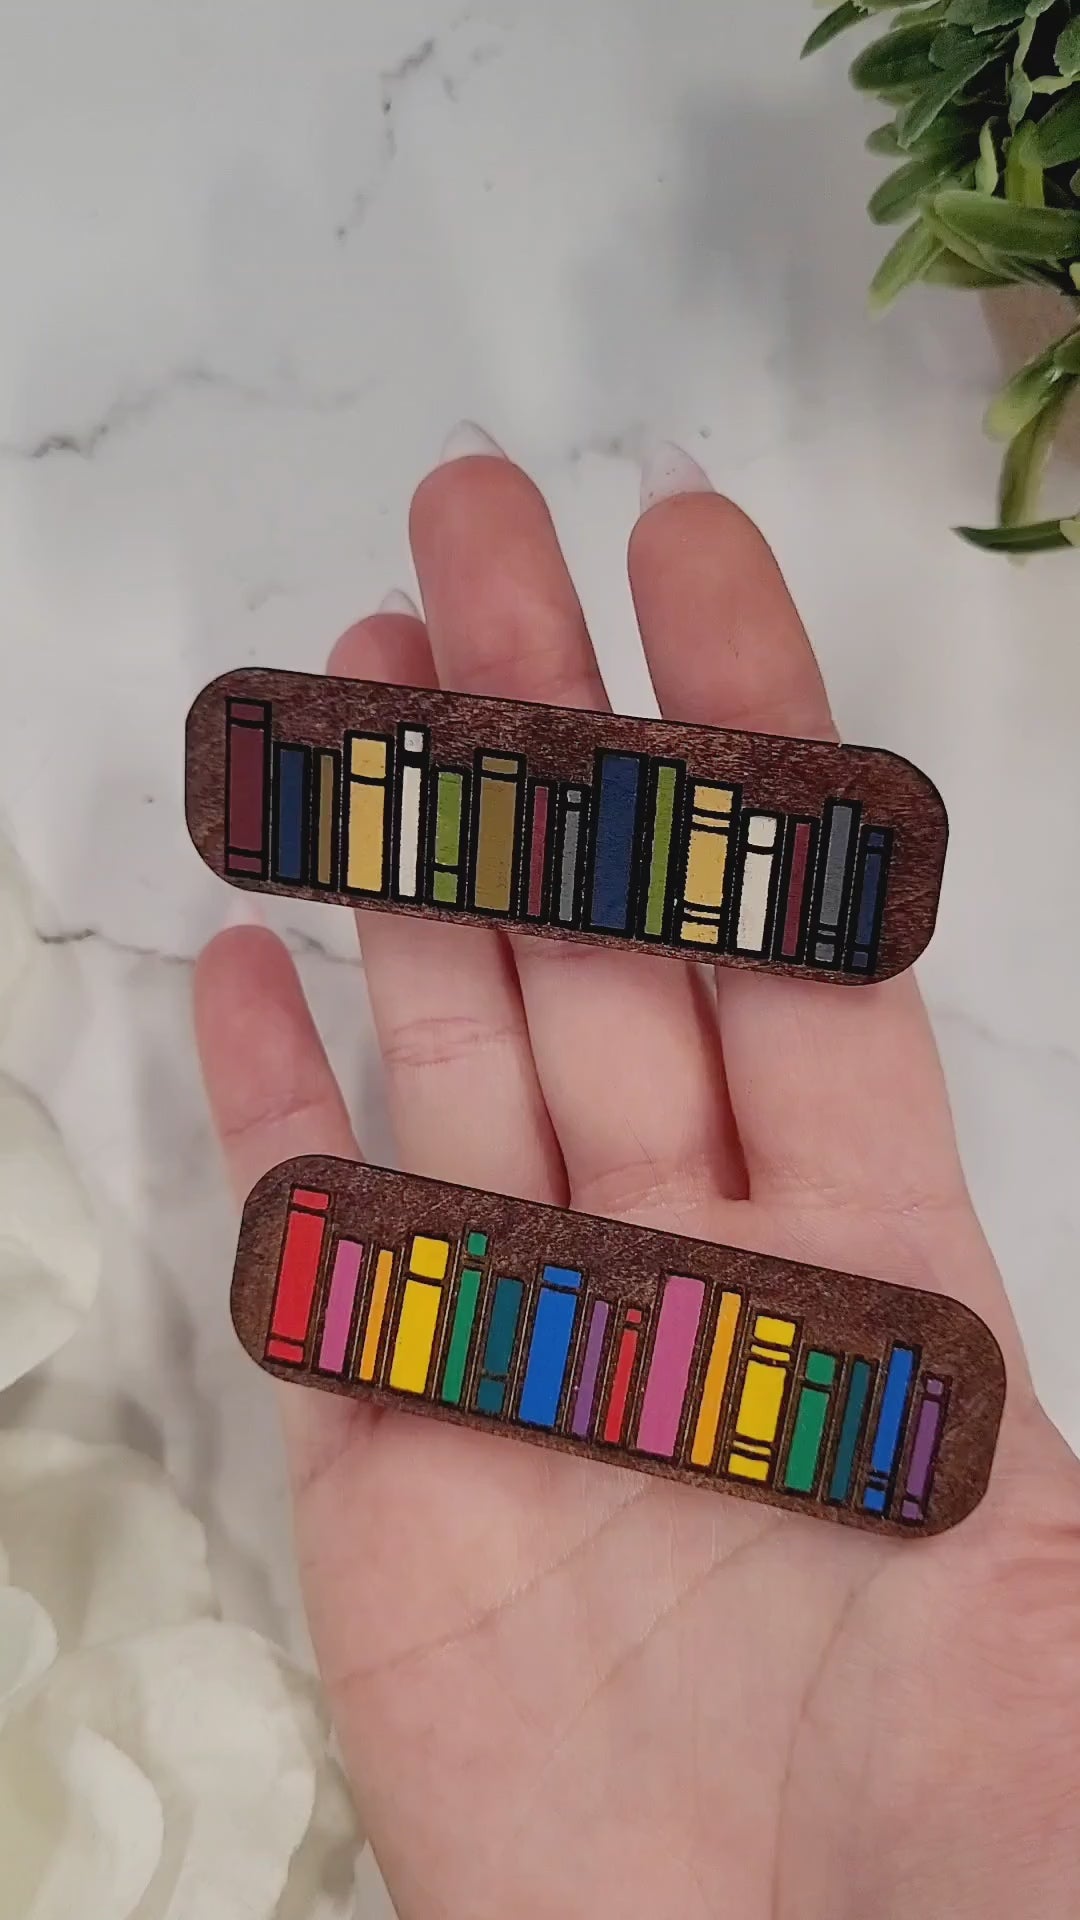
[[983, 132]]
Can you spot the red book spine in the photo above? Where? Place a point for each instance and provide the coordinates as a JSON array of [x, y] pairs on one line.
[[800, 872], [538, 852], [615, 1418], [247, 787], [298, 1275]]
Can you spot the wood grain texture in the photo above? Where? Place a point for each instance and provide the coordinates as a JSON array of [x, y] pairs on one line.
[[796, 856], [845, 1399]]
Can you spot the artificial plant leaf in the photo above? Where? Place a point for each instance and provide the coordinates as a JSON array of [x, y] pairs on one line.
[[1025, 460], [949, 140], [899, 59], [986, 167], [1067, 353], [844, 16], [899, 96], [1067, 50], [1039, 536], [905, 262], [978, 257], [1033, 273], [954, 131], [898, 196], [949, 46], [1025, 396], [982, 15], [1024, 183], [1021, 94], [948, 270], [1034, 233], [943, 88], [1020, 88]]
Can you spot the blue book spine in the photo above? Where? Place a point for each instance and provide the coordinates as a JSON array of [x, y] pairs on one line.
[[615, 842], [549, 1347], [865, 930], [290, 811], [892, 1416]]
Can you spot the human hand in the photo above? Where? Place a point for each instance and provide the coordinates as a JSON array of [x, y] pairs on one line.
[[568, 1689]]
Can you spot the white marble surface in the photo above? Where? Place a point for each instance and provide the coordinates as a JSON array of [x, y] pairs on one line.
[[258, 256]]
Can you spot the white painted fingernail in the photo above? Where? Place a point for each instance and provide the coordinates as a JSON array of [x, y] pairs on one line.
[[468, 439], [244, 909], [398, 602], [668, 470]]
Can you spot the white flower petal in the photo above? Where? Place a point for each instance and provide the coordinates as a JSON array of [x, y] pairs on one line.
[[27, 1641], [372, 1899], [80, 1826], [49, 1246], [322, 1883], [232, 1737], [16, 929], [100, 1536]]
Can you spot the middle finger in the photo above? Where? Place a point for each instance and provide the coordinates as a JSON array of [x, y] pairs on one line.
[[624, 1043]]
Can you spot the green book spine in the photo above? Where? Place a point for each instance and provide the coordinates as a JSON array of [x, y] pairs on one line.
[[663, 811], [457, 1353], [446, 874], [811, 1422]]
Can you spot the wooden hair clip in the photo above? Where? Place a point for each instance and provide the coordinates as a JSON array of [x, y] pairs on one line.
[[842, 1398], [795, 855]]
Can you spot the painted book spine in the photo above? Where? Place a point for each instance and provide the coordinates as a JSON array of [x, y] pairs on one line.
[[707, 865], [247, 787]]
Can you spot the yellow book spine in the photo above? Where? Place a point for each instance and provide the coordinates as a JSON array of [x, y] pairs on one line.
[[380, 1294], [707, 859], [418, 1320], [501, 796], [366, 800], [765, 1383], [716, 1379], [327, 806]]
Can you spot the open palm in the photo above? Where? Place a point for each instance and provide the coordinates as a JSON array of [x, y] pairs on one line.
[[569, 1689]]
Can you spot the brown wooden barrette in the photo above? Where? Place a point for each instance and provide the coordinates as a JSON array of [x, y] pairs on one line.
[[842, 1398], [796, 855]]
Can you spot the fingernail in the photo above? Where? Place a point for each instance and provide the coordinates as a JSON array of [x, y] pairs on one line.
[[668, 470], [398, 602], [244, 909], [468, 439]]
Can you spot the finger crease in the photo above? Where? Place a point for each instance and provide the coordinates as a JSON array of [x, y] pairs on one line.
[[292, 1110], [681, 1185], [416, 1046]]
